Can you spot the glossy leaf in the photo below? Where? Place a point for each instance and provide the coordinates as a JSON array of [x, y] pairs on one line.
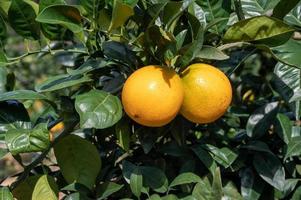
[[287, 53], [287, 83], [92, 7], [202, 191], [98, 109], [217, 188], [293, 148], [5, 194], [297, 194], [61, 81], [108, 188], [205, 157], [123, 134], [270, 169], [51, 31], [45, 188], [259, 122], [136, 182], [251, 185], [262, 30], [253, 8], [21, 17], [13, 115], [185, 178], [77, 196], [25, 189], [284, 7], [294, 17], [21, 95], [231, 192], [64, 15], [27, 140], [284, 128], [121, 13], [78, 160], [211, 53], [215, 10], [223, 156]]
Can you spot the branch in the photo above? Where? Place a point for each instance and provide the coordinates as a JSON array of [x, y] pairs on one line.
[[238, 10], [41, 157]]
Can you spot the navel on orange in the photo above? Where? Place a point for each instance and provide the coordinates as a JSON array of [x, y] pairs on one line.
[[152, 95], [207, 93]]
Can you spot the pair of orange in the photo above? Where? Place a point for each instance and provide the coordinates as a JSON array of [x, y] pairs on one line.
[[153, 95]]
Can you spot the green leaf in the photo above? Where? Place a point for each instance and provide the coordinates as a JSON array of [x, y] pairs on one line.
[[92, 7], [5, 194], [123, 134], [25, 189], [284, 7], [77, 196], [223, 156], [64, 15], [297, 194], [258, 146], [152, 176], [136, 182], [260, 30], [98, 109], [13, 115], [288, 53], [21, 95], [217, 188], [78, 160], [284, 127], [21, 17], [231, 192], [294, 17], [3, 59], [61, 81], [4, 5], [3, 30], [270, 169], [211, 53], [202, 191], [51, 31], [185, 178], [119, 51], [260, 121], [27, 140], [253, 8], [251, 185], [121, 13], [108, 188], [3, 79], [205, 157], [293, 148], [3, 152], [45, 188], [287, 83], [214, 10]]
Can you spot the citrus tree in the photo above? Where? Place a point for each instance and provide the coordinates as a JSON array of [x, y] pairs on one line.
[[182, 141]]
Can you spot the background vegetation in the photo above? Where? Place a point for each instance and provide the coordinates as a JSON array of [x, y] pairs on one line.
[[62, 68]]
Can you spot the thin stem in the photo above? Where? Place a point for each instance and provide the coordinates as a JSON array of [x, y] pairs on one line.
[[46, 51], [238, 10], [41, 157]]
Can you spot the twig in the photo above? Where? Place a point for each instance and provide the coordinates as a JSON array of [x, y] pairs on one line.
[[238, 10]]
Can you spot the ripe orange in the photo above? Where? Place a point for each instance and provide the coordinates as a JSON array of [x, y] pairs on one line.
[[207, 93], [152, 95]]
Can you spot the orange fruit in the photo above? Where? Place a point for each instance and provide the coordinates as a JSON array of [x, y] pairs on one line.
[[57, 129], [207, 93], [152, 95]]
